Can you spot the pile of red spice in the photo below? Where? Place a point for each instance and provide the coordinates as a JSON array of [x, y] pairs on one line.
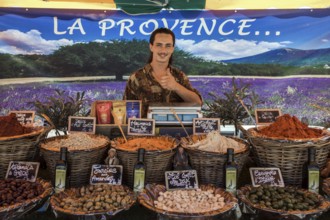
[[9, 126], [286, 126]]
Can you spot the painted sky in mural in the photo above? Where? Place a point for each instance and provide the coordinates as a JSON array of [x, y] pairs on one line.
[[213, 35]]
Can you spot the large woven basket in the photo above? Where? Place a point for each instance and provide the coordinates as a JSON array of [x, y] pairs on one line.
[[19, 148], [288, 155], [18, 210], [210, 165], [157, 162], [151, 193], [79, 161], [270, 213]]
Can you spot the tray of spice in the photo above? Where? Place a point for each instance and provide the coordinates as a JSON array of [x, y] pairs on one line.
[[207, 201], [92, 200], [18, 197], [282, 202]]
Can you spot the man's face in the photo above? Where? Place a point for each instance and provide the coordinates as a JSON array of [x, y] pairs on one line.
[[162, 48]]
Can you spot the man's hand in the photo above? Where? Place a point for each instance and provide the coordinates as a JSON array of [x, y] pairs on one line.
[[168, 81]]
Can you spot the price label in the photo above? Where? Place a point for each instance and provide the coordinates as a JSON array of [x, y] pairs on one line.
[[106, 174], [24, 117], [141, 126], [23, 170], [266, 116], [266, 176], [205, 125], [183, 179], [82, 124]]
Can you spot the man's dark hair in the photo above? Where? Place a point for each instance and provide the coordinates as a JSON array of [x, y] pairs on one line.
[[161, 30]]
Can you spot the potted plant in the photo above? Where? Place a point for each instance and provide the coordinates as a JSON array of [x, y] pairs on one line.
[[234, 106], [59, 107]]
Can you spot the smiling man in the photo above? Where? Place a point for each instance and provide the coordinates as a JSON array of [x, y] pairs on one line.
[[158, 80]]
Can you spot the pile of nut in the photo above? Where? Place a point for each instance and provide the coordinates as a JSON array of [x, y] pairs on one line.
[[14, 191], [76, 141], [189, 201], [94, 198]]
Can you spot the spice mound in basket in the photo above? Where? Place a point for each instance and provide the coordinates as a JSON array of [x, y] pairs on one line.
[[161, 143], [10, 127], [283, 200], [93, 199], [76, 141], [22, 195], [205, 201], [289, 127], [214, 142]]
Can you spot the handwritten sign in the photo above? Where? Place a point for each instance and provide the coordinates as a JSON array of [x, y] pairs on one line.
[[266, 116], [205, 125], [269, 176], [24, 117], [183, 179], [141, 126], [106, 174], [23, 170], [82, 124]]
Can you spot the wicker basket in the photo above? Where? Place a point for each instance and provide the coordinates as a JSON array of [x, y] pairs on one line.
[[288, 155], [157, 162], [18, 210], [269, 213], [151, 193], [66, 213], [79, 161], [19, 148], [210, 165], [326, 187]]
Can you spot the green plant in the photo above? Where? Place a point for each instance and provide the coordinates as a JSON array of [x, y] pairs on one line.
[[59, 107], [236, 105]]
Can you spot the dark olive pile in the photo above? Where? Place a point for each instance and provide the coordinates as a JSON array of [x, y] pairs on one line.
[[16, 191], [283, 198]]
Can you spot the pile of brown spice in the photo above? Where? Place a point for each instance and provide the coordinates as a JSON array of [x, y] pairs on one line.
[[9, 126], [286, 126]]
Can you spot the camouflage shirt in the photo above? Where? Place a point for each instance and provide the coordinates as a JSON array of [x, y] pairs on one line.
[[141, 85]]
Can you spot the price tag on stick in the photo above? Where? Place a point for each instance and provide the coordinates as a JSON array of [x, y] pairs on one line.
[[205, 125], [141, 126], [24, 117], [266, 116], [266, 176], [183, 179], [23, 170], [107, 174], [82, 124]]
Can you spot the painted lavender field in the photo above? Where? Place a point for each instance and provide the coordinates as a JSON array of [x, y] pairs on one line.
[[294, 96]]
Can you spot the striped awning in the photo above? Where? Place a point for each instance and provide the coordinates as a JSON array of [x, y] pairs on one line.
[[154, 6]]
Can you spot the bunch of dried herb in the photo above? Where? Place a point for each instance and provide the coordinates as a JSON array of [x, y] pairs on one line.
[[233, 107], [59, 107]]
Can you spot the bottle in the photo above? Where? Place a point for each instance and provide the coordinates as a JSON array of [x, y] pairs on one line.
[[139, 172], [230, 172], [313, 172], [61, 171]]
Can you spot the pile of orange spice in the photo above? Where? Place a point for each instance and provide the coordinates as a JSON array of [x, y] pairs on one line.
[[286, 126], [148, 143]]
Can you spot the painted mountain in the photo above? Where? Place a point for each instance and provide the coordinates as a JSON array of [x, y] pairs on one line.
[[289, 57]]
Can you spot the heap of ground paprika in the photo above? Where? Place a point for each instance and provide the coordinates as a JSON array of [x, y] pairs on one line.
[[287, 126], [9, 126]]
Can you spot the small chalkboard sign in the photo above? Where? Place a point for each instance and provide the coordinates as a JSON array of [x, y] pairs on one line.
[[106, 174], [140, 126], [23, 170], [24, 117], [183, 179], [266, 176], [82, 124], [266, 116], [205, 125]]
